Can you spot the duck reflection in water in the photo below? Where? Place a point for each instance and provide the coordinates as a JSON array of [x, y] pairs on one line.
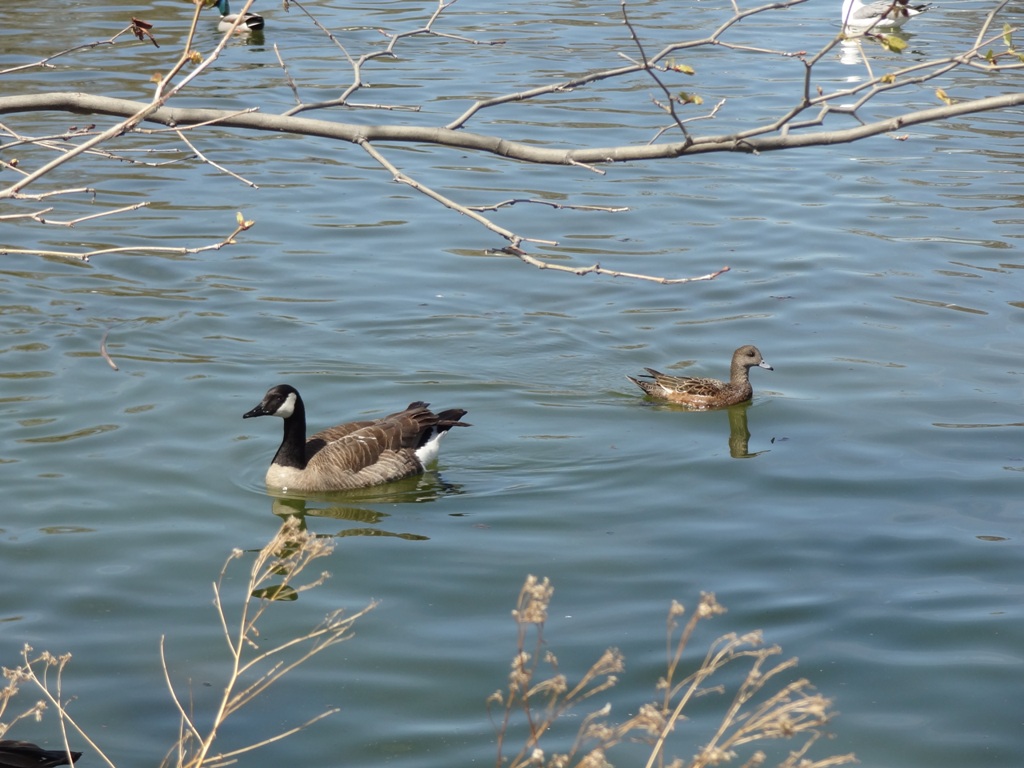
[[694, 393], [739, 434]]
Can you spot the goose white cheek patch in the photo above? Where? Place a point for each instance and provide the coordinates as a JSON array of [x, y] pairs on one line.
[[287, 407]]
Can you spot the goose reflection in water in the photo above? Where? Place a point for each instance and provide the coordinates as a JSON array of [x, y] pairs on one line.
[[348, 506], [296, 508]]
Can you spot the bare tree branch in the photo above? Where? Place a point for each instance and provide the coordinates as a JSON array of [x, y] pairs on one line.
[[514, 150], [814, 116]]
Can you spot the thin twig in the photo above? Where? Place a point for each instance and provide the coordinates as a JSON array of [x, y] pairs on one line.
[[207, 160], [288, 75], [242, 225], [103, 350], [551, 204], [124, 209]]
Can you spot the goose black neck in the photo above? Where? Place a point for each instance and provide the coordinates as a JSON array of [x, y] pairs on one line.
[[292, 452]]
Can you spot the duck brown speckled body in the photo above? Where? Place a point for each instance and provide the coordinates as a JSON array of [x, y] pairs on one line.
[[354, 455], [702, 394]]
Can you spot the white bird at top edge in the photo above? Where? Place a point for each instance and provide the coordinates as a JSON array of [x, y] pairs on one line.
[[880, 14]]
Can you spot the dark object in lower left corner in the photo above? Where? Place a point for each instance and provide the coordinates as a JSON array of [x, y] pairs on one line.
[[22, 754]]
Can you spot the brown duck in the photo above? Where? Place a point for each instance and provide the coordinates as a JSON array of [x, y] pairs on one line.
[[702, 393], [353, 455]]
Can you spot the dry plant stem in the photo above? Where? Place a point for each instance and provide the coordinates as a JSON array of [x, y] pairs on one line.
[[690, 687], [15, 677], [59, 700], [536, 728], [187, 727], [790, 711], [755, 727], [43, 683], [531, 609], [282, 560], [675, 654], [544, 702], [229, 758]]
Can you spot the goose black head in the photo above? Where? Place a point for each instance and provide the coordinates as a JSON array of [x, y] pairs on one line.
[[282, 400]]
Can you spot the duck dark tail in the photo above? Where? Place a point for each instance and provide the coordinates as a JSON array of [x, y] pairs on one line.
[[451, 418]]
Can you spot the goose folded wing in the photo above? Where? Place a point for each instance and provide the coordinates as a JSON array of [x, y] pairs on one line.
[[411, 420], [382, 450]]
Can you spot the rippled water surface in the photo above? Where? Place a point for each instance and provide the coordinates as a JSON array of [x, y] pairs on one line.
[[870, 524]]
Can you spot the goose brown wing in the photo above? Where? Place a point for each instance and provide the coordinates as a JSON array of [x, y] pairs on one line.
[[368, 456], [372, 452], [336, 433], [415, 411]]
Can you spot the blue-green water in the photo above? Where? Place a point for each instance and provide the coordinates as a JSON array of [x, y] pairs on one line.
[[873, 532]]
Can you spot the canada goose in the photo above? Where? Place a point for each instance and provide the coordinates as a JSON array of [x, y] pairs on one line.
[[22, 754], [353, 455], [703, 394], [250, 22]]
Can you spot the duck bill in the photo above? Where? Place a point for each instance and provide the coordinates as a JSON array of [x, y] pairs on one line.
[[259, 410]]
